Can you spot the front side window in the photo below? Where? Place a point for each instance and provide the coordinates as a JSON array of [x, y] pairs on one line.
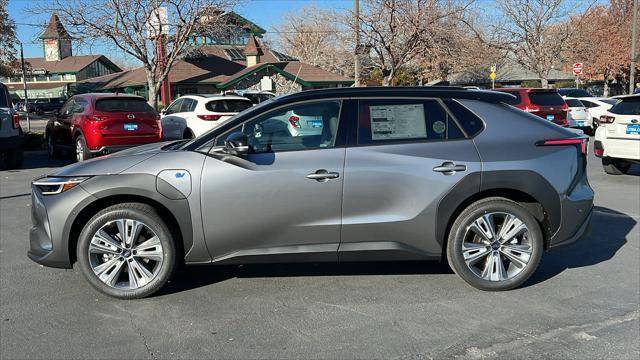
[[174, 107], [384, 121], [67, 108], [188, 105], [298, 127]]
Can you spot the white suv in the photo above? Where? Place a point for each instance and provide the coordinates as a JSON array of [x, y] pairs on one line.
[[617, 139], [192, 115], [596, 107]]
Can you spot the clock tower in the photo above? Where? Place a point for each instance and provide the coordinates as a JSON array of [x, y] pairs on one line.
[[56, 40]]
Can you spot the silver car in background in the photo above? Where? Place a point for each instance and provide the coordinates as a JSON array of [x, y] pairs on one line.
[[392, 174]]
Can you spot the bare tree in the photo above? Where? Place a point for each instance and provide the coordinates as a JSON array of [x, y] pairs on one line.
[[133, 27], [7, 41], [535, 33], [401, 30], [314, 36]]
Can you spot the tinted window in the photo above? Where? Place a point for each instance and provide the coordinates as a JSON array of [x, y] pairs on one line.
[[188, 105], [574, 92], [80, 105], [122, 105], [626, 107], [546, 98], [174, 107], [67, 108], [299, 127], [588, 104], [4, 98], [574, 103], [381, 121], [471, 124], [515, 101], [228, 106]]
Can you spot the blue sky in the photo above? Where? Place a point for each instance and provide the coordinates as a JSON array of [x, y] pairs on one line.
[[266, 13]]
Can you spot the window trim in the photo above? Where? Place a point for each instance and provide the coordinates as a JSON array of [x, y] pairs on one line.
[[341, 133]]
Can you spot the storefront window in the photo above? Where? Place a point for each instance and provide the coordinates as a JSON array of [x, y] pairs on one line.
[[55, 77]]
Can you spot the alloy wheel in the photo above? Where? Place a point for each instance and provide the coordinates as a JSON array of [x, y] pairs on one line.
[[125, 254], [79, 150], [497, 246]]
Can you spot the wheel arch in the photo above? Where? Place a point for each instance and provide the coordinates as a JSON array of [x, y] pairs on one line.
[[526, 188], [88, 211]]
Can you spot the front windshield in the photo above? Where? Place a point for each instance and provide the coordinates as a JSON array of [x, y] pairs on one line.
[[223, 124]]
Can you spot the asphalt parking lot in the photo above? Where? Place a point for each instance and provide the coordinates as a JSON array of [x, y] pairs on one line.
[[583, 302]]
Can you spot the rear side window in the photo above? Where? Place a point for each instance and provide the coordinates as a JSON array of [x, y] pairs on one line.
[[385, 121], [228, 106], [626, 107], [546, 98], [4, 99], [574, 103], [122, 105], [471, 124], [515, 101]]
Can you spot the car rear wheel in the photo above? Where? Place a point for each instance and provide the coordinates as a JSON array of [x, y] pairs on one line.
[[126, 251], [52, 149], [82, 151], [495, 244], [615, 166]]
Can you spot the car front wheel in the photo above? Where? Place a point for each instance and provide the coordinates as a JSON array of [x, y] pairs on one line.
[[127, 251], [495, 244], [615, 166]]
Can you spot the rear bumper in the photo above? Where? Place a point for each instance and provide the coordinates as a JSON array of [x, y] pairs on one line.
[[110, 149], [582, 232], [11, 142]]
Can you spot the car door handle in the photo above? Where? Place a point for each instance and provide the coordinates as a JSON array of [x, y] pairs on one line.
[[449, 168], [322, 175]]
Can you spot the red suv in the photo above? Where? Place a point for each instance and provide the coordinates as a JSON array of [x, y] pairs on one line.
[[546, 103], [97, 124]]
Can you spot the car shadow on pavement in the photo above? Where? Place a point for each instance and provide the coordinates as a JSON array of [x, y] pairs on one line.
[[197, 276], [38, 159], [609, 230]]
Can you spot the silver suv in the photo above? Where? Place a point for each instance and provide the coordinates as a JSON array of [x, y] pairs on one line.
[[11, 137], [393, 174]]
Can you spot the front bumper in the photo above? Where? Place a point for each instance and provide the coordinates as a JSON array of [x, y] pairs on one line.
[[52, 217]]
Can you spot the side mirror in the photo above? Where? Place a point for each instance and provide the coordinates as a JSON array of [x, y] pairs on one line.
[[237, 144]]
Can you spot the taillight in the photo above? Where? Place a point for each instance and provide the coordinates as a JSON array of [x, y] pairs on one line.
[[531, 109], [209, 117], [605, 119], [294, 121], [582, 142], [15, 119]]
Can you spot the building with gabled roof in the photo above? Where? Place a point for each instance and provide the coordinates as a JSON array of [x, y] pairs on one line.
[[51, 76]]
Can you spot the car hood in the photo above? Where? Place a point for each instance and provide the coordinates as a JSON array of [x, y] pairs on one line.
[[113, 163]]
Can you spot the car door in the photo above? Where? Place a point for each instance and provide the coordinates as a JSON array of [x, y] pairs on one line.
[[403, 157], [61, 128], [284, 198]]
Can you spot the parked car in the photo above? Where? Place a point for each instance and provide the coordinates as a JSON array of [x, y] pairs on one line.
[[545, 103], [11, 137], [200, 113], [617, 140], [425, 173], [578, 114], [574, 93], [596, 107], [40, 106], [98, 124], [257, 97]]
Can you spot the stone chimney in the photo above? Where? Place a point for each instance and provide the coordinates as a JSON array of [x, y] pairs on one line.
[[252, 51]]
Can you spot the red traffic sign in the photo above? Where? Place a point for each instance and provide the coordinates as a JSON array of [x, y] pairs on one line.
[[577, 68]]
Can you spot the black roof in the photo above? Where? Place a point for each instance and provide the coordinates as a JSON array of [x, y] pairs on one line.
[[450, 92]]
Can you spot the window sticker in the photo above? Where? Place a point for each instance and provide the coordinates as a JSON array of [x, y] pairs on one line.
[[389, 122], [439, 127]]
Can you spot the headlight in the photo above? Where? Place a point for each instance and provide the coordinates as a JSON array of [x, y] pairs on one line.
[[56, 185]]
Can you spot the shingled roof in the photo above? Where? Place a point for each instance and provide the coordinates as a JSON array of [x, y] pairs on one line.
[[71, 64], [55, 29]]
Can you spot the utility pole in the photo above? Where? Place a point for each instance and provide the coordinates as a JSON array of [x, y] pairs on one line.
[[634, 31], [24, 84], [356, 11]]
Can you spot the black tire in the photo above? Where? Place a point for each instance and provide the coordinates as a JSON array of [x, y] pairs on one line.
[[467, 217], [13, 158], [134, 211], [52, 149], [81, 150], [615, 166]]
